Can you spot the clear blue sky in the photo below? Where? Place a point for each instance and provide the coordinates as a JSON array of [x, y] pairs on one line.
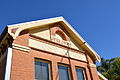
[[97, 21]]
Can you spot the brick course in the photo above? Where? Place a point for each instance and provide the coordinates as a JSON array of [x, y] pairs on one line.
[[23, 63]]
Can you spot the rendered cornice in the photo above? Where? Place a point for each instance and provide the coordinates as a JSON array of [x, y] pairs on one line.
[[20, 47], [92, 65]]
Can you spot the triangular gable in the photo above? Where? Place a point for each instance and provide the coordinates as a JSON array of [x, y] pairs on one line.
[[15, 30]]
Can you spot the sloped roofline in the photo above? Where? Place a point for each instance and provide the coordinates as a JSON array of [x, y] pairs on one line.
[[101, 76], [34, 24]]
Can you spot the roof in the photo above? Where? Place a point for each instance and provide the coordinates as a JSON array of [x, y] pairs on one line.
[[33, 24], [101, 76]]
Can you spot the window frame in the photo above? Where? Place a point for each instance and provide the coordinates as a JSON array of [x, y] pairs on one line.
[[49, 67], [69, 70], [84, 72]]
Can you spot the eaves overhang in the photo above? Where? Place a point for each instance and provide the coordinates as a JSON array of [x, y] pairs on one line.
[[39, 23]]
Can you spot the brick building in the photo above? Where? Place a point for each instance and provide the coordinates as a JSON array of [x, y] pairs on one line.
[[48, 49]]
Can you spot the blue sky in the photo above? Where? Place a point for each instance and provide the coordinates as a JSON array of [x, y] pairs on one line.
[[97, 21]]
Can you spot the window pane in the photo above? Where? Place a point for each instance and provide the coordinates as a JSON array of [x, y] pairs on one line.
[[80, 74], [63, 72], [41, 70]]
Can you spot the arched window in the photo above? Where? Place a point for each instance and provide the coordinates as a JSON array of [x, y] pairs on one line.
[[60, 35]]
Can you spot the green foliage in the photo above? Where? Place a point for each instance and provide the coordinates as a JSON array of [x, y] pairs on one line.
[[110, 68]]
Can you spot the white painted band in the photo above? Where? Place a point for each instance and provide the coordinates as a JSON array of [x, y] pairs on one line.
[[92, 65], [57, 50], [20, 47], [8, 64]]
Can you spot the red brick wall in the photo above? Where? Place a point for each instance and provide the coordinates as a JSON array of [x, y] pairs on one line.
[[23, 63], [22, 40], [22, 66], [92, 70]]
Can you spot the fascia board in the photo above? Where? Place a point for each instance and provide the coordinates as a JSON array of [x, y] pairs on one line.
[[34, 24]]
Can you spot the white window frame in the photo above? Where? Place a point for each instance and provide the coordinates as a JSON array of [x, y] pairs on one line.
[[49, 66], [69, 74], [82, 70]]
